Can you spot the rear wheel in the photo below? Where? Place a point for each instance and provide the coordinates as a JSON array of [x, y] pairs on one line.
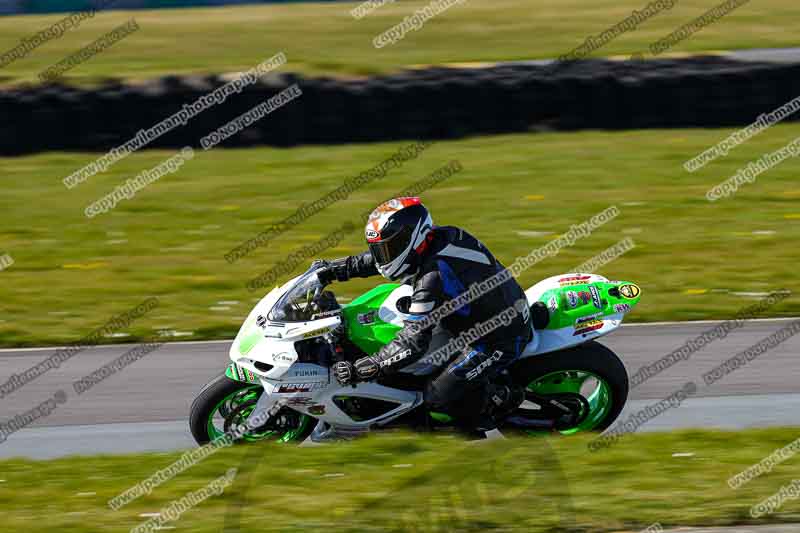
[[224, 404], [589, 381]]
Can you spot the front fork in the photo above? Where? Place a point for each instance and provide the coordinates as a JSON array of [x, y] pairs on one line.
[[267, 404], [266, 407]]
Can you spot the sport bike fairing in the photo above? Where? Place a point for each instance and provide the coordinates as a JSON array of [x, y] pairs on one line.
[[582, 307]]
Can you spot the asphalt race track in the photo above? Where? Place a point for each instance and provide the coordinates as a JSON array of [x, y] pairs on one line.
[[145, 406]]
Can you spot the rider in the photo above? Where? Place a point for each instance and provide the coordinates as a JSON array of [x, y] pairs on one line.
[[440, 262]]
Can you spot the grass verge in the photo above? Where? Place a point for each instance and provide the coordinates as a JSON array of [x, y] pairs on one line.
[[325, 38], [421, 483], [693, 259]]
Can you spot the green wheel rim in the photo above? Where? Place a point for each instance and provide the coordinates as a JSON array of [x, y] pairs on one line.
[[242, 396], [576, 382]]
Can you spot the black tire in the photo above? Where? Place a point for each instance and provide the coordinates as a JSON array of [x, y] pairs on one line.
[[210, 396], [592, 357]]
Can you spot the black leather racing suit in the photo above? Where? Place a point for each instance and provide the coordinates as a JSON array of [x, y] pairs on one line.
[[453, 261]]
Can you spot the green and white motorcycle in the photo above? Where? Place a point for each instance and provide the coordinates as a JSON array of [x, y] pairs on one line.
[[280, 387]]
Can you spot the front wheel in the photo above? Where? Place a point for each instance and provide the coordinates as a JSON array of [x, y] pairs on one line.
[[589, 380], [224, 404]]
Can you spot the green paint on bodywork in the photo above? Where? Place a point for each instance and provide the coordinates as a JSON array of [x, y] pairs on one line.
[[441, 417], [370, 333], [249, 341], [237, 373], [248, 336], [376, 333], [566, 316], [371, 336]]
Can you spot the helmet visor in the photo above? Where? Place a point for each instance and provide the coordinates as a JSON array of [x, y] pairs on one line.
[[386, 251]]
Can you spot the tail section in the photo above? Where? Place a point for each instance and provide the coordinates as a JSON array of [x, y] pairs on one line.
[[581, 307]]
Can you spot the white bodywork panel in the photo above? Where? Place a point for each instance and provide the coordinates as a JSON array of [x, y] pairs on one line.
[[310, 389], [550, 340]]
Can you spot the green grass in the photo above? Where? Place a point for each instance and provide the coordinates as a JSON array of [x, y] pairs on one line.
[[72, 273], [403, 482], [324, 38]]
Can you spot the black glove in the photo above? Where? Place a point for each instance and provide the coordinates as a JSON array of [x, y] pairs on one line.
[[327, 273], [344, 372], [364, 369], [367, 368]]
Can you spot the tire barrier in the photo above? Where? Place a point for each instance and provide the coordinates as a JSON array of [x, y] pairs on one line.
[[433, 103]]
